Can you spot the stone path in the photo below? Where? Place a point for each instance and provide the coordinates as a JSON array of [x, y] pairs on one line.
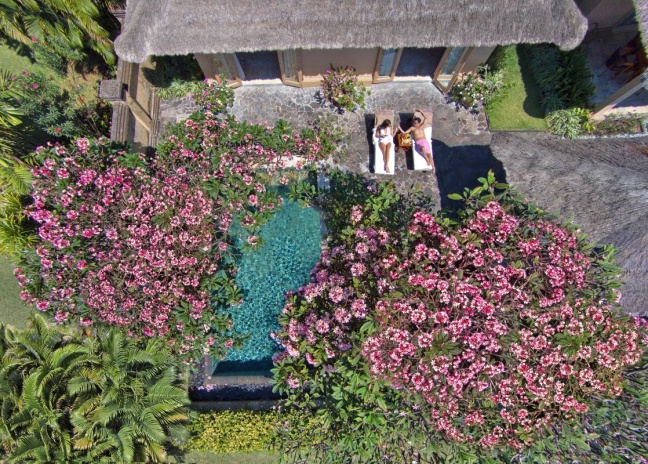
[[460, 138]]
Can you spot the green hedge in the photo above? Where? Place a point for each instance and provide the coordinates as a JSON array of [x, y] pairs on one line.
[[230, 431], [564, 78], [566, 87]]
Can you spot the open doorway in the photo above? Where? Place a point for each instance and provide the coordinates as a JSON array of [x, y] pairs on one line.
[[262, 65], [419, 62]]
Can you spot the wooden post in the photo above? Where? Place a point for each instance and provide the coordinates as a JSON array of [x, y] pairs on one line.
[[139, 112], [206, 66], [621, 94]]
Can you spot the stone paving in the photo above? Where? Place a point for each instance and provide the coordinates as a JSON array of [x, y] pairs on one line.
[[460, 138]]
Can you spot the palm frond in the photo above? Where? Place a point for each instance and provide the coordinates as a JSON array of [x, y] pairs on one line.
[[28, 447]]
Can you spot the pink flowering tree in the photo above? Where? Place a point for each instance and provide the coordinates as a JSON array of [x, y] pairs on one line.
[[146, 244], [452, 336]]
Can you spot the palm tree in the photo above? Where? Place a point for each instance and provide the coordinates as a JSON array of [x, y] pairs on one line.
[[56, 24], [10, 114], [35, 405], [131, 402], [16, 231], [68, 399]]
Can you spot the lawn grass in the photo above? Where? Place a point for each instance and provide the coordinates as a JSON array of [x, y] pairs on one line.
[[248, 457], [16, 64], [519, 108], [12, 309]]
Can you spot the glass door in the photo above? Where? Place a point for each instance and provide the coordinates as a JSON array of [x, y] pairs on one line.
[[227, 65], [289, 64], [450, 66], [386, 64]]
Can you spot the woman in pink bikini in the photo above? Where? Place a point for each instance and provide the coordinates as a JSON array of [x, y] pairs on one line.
[[422, 144]]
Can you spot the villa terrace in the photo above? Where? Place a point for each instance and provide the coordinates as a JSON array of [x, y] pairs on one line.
[[460, 138]]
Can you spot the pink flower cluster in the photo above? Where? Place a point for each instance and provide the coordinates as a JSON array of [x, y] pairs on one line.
[[135, 246], [479, 327], [489, 323], [120, 246], [335, 304]]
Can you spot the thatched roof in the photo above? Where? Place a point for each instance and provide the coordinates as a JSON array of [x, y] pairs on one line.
[[601, 183], [180, 27], [641, 9]]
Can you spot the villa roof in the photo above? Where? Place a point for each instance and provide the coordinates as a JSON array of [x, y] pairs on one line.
[[180, 27], [641, 9], [601, 183]]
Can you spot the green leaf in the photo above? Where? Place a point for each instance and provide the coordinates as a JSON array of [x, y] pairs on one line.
[[455, 196], [581, 443]]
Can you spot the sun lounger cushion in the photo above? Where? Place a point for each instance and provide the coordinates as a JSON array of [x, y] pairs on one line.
[[419, 160], [379, 165]]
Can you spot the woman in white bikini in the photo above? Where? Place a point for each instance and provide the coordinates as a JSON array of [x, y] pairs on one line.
[[385, 141]]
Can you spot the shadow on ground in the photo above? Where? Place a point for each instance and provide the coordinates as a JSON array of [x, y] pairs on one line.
[[459, 168], [531, 104]]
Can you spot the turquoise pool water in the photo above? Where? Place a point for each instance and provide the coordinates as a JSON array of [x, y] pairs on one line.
[[291, 248]]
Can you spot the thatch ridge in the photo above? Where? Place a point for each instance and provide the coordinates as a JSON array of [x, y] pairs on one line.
[[601, 183], [180, 27]]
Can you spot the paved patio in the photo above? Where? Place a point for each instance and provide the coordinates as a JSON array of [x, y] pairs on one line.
[[460, 138]]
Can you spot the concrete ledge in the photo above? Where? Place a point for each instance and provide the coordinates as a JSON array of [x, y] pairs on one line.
[[111, 90], [255, 405]]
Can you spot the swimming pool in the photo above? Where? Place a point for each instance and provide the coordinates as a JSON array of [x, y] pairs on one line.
[[291, 248]]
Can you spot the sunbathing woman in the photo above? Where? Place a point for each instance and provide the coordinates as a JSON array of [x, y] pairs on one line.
[[420, 141], [385, 141]]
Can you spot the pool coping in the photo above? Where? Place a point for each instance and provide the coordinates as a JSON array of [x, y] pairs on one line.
[[209, 379]]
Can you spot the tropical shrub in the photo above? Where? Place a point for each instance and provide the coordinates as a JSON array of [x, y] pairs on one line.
[[501, 57], [231, 431], [451, 338], [10, 114], [35, 366], [148, 245], [612, 431], [563, 74], [341, 89], [480, 88], [569, 123], [494, 84], [565, 80], [175, 76], [178, 88], [213, 97], [54, 110], [71, 399], [470, 90]]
